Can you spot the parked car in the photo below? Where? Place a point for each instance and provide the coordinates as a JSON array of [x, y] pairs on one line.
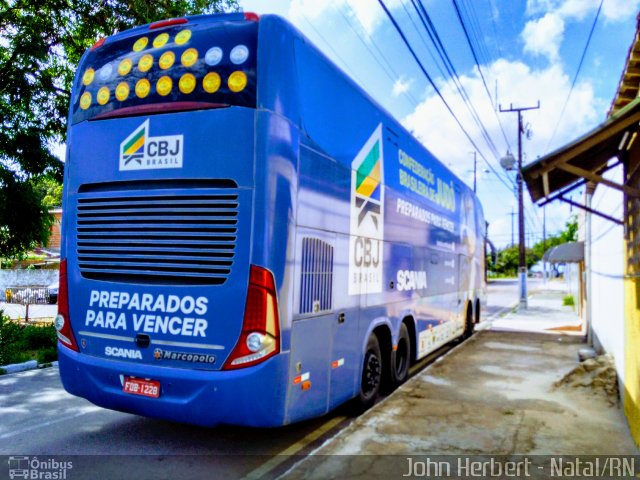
[[53, 293]]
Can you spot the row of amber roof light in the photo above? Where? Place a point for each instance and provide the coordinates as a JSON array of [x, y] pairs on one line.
[[211, 82]]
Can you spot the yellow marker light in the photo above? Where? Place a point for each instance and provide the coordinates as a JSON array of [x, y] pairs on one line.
[[187, 83], [143, 87], [211, 82], [161, 40], [87, 78], [166, 60], [183, 37], [189, 57], [145, 63], [122, 91], [237, 81], [103, 95], [163, 87], [140, 44], [125, 66], [85, 100]]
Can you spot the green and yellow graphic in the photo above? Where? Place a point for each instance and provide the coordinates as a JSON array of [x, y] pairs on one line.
[[368, 174], [132, 149]]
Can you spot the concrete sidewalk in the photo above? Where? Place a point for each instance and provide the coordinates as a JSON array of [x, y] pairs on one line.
[[499, 393], [545, 313]]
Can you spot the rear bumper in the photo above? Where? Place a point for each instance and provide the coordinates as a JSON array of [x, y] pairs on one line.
[[253, 396]]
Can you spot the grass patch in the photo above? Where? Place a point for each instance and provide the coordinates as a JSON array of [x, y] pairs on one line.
[[21, 343]]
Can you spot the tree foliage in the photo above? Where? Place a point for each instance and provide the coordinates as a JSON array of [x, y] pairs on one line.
[[508, 259], [40, 45]]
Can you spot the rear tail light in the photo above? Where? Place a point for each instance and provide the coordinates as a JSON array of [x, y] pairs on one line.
[[98, 44], [62, 322], [168, 23], [260, 336]]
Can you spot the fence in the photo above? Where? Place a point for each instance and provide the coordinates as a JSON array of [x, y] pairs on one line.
[[31, 295], [30, 304]]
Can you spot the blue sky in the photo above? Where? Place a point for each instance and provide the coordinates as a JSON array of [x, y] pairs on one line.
[[528, 50]]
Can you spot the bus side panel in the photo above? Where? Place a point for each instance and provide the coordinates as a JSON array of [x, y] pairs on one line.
[[310, 361], [346, 356], [277, 88], [276, 209]]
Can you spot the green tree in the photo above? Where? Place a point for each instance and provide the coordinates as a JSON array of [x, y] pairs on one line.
[[569, 234], [40, 45], [50, 190], [508, 258]]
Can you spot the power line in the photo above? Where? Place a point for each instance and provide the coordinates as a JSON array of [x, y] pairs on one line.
[[575, 78], [346, 65], [495, 27], [475, 58], [424, 41], [386, 67], [453, 74], [475, 30], [435, 87]]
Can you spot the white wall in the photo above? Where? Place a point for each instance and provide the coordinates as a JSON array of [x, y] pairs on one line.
[[607, 269]]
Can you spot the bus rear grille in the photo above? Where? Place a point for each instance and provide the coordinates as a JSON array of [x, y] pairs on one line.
[[316, 280], [157, 238]]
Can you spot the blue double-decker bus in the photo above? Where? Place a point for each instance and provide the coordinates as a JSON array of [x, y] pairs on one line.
[[248, 237]]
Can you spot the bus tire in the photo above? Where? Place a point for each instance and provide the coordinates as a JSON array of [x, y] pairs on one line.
[[469, 326], [371, 375], [401, 358]]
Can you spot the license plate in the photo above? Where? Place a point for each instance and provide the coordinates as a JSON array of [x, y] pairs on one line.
[[139, 386]]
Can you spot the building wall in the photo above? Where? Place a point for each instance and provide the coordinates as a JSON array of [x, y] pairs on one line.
[[632, 297], [55, 230], [607, 274]]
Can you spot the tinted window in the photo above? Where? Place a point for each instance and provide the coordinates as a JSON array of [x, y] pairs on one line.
[[205, 63]]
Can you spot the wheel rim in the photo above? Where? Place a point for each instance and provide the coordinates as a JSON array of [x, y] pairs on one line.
[[371, 374]]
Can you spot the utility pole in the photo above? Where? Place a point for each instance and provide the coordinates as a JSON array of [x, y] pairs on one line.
[[522, 269]]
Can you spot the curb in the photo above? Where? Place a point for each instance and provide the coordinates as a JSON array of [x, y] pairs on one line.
[[23, 367]]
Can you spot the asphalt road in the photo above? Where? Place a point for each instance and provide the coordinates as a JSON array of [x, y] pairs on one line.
[[38, 418], [502, 296]]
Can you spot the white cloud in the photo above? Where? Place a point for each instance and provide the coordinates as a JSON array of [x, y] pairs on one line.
[[544, 36], [520, 85], [367, 12], [612, 10], [401, 86]]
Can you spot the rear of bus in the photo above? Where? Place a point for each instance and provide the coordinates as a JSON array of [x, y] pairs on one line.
[[161, 312]]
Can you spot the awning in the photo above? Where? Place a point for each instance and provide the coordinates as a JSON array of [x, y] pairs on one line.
[[585, 159], [571, 252]]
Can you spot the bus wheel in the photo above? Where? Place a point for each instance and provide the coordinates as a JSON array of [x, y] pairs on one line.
[[468, 324], [371, 374], [401, 357]]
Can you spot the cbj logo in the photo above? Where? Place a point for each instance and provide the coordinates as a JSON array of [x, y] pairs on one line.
[[367, 217], [139, 151]]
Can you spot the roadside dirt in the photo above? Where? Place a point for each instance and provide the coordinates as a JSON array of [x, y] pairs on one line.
[[597, 375]]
